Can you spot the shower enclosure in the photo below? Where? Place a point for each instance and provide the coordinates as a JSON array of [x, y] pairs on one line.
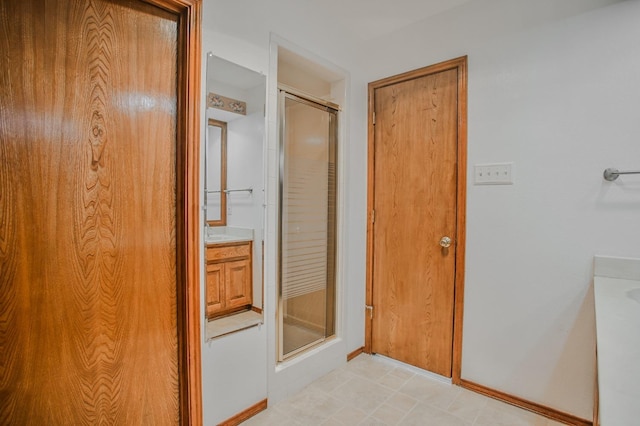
[[307, 288]]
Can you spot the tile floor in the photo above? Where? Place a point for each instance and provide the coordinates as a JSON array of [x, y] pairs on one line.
[[371, 390]]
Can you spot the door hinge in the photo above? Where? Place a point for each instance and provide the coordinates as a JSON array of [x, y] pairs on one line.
[[370, 309], [373, 216], [374, 118]]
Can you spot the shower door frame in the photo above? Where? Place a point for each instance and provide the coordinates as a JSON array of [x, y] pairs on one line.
[[285, 92]]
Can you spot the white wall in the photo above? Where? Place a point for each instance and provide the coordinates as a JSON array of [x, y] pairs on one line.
[[229, 387], [555, 93], [240, 369], [558, 97], [245, 160], [234, 374], [290, 376], [234, 367], [244, 168]]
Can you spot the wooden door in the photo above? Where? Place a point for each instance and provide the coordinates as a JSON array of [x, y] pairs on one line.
[[415, 203], [93, 170]]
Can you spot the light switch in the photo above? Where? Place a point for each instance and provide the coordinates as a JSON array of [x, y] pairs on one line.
[[494, 174]]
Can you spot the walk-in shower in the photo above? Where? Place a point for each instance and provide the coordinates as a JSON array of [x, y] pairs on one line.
[[307, 246]]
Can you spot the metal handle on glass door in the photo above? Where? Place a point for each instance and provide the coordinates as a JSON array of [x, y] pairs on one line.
[[445, 242]]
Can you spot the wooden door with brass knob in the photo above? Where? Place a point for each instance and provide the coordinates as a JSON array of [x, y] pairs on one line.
[[416, 200]]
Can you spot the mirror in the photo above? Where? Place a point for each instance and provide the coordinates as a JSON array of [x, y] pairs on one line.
[[216, 173], [234, 201]]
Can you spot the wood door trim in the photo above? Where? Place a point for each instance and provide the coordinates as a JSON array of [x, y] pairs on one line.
[[188, 215], [460, 64], [352, 355], [596, 392], [548, 412], [245, 414], [191, 395]]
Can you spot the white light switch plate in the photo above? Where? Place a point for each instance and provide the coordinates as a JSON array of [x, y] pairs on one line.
[[494, 174]]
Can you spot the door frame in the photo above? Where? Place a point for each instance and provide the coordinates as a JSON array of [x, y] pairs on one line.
[[459, 64], [188, 129]]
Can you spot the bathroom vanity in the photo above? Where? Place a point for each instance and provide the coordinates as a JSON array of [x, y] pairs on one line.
[[229, 274], [617, 307]]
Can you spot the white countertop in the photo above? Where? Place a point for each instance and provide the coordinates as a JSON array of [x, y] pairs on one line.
[[617, 305], [227, 234]]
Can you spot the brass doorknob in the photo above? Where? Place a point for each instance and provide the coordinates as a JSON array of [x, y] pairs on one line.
[[445, 242]]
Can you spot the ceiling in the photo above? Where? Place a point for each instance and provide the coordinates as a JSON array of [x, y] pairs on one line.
[[369, 19], [345, 31], [226, 72], [352, 20]]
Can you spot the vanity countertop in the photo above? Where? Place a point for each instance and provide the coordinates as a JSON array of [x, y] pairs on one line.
[[617, 306], [227, 234]]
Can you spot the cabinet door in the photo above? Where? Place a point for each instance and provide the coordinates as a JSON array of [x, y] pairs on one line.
[[238, 283], [215, 289]]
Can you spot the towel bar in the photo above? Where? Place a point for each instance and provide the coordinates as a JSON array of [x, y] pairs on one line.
[[612, 174]]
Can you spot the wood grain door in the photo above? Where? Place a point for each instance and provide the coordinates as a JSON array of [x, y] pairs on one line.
[[415, 205], [92, 229]]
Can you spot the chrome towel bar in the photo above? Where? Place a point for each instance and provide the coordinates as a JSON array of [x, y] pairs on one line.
[[612, 174], [249, 190], [226, 191]]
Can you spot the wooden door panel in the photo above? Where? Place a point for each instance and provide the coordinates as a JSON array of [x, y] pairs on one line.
[[238, 283], [215, 288], [88, 222], [415, 205]]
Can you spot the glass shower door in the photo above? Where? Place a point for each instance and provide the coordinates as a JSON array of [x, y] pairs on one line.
[[306, 314]]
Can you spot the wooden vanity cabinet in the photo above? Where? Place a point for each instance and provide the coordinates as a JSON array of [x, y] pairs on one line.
[[229, 278]]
